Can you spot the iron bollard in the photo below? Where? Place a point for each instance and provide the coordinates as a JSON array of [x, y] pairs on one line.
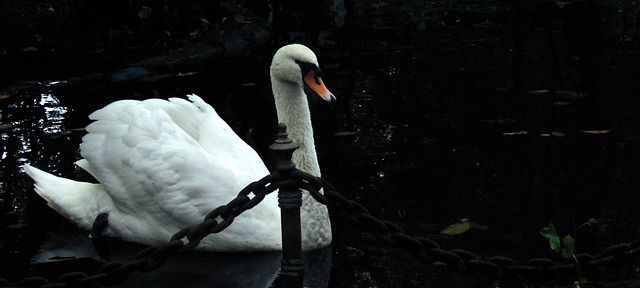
[[289, 200]]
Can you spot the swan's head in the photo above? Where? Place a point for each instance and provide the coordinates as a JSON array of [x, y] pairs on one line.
[[297, 65]]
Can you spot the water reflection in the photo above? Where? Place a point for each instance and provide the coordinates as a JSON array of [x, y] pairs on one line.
[[55, 115], [30, 121], [33, 123], [67, 247]]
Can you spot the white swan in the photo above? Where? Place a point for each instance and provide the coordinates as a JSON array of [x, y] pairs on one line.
[[163, 165]]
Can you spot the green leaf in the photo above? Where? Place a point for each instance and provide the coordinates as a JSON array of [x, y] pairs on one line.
[[550, 233], [581, 281], [568, 244], [591, 221], [457, 228]]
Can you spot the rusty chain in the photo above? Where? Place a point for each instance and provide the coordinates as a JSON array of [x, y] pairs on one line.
[[387, 232]]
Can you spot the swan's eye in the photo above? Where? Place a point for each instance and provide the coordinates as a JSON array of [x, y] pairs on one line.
[[305, 67]]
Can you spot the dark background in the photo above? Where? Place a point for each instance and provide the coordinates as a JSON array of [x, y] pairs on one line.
[[512, 114]]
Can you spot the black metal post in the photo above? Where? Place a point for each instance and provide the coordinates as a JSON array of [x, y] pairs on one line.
[[289, 200]]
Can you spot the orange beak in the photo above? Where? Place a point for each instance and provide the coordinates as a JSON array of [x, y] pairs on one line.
[[314, 83]]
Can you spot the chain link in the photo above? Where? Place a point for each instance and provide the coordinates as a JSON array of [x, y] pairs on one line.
[[387, 232], [457, 259]]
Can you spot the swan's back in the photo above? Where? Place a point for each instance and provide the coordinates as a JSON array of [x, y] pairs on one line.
[[165, 165]]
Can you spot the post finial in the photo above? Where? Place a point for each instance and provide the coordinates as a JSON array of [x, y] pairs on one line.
[[283, 142], [283, 148]]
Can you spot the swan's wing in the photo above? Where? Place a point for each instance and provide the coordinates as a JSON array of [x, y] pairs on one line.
[[175, 158]]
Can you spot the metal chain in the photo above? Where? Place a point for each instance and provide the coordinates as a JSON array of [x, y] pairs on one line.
[[499, 267], [387, 232], [153, 257]]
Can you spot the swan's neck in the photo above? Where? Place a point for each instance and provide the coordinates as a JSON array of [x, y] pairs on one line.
[[293, 110]]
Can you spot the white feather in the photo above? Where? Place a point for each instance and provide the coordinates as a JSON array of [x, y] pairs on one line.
[[164, 165]]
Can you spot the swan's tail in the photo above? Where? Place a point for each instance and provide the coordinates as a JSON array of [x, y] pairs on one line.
[[79, 202]]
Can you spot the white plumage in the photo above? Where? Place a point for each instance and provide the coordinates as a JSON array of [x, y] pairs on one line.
[[163, 165]]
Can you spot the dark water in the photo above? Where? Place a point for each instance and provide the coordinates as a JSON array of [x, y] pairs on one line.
[[511, 116]]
